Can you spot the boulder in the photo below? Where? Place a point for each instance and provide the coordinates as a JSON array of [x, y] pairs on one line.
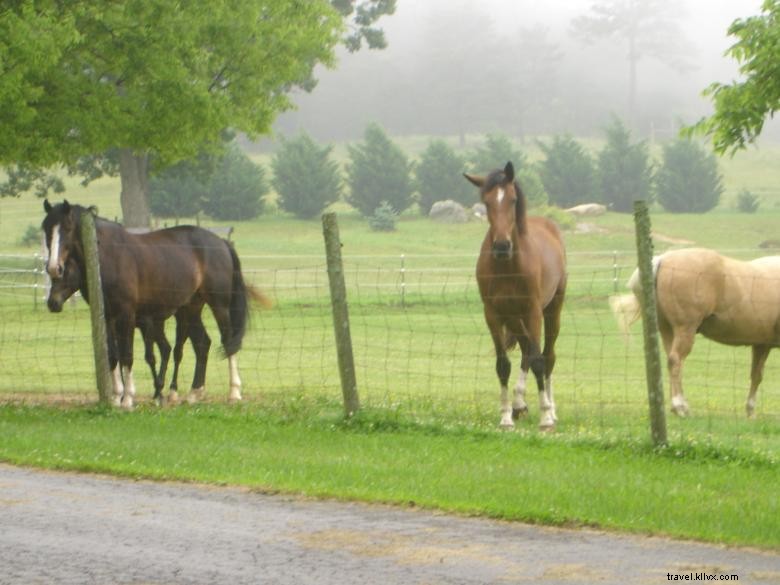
[[479, 211], [448, 211], [588, 209]]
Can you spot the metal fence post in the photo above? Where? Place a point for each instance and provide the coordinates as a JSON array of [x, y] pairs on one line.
[[655, 389], [338, 299], [96, 308]]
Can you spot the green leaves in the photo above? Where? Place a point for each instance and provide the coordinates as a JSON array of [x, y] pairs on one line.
[[741, 107]]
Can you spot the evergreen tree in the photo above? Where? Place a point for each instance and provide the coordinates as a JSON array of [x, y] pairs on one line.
[[567, 172], [439, 175], [688, 180], [624, 169], [305, 178], [378, 171], [494, 153], [236, 189]]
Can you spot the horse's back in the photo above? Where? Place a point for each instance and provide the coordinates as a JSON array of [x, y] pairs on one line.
[[727, 300]]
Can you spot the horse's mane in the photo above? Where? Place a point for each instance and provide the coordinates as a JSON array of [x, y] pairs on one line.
[[497, 178]]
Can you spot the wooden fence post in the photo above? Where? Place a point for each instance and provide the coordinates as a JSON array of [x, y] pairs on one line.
[[338, 300], [655, 388], [96, 309]]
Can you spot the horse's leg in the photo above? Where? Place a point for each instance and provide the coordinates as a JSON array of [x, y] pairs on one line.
[[113, 363], [222, 316], [531, 328], [679, 342], [146, 327], [552, 326], [182, 333], [201, 344], [165, 354], [125, 330], [503, 366], [760, 353]]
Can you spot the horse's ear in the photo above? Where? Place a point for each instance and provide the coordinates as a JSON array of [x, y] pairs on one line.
[[475, 180], [509, 172], [65, 206], [47, 206]]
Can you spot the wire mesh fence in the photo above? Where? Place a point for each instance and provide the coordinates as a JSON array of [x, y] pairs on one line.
[[421, 348]]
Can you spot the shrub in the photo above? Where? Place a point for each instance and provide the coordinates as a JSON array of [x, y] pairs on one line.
[[236, 189], [31, 236], [747, 202], [567, 172], [439, 175], [305, 178], [564, 219], [178, 191], [383, 218], [688, 180], [625, 172], [494, 153], [378, 171]]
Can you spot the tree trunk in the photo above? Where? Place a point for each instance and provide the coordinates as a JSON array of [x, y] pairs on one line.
[[134, 174]]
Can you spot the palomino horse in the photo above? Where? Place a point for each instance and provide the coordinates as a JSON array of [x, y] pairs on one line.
[[152, 331], [726, 300], [149, 277], [521, 274]]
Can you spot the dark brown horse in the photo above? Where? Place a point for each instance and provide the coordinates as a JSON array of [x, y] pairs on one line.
[[152, 331], [146, 278], [521, 273]]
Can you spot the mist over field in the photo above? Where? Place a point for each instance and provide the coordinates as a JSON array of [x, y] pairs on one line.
[[460, 67]]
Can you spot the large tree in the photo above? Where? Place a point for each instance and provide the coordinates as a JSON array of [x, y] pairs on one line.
[[650, 28], [741, 107], [155, 82]]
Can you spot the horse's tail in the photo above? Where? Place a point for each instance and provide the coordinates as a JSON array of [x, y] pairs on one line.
[[239, 306], [626, 308], [626, 311]]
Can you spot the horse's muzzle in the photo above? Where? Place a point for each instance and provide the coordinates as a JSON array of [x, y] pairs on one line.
[[55, 305], [502, 249]]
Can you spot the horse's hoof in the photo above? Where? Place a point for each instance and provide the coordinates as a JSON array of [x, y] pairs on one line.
[[234, 397], [518, 412], [173, 398], [547, 428], [506, 425], [680, 411]]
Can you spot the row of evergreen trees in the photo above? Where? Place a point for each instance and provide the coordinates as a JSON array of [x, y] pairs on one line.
[[380, 176]]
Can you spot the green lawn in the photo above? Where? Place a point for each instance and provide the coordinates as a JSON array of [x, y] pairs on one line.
[[378, 457]]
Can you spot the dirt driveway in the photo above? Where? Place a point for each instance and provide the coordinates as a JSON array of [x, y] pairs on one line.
[[70, 528]]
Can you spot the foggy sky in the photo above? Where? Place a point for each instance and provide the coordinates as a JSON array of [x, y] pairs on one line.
[[361, 88]]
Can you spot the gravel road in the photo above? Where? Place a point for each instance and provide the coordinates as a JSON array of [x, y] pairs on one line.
[[71, 528]]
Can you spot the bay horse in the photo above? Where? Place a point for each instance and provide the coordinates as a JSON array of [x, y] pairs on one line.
[[152, 331], [726, 300], [149, 277], [521, 273]]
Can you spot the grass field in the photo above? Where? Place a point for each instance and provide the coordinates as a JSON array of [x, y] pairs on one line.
[[426, 379]]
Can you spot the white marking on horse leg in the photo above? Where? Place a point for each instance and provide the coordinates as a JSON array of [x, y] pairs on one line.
[[548, 390], [173, 397], [129, 395], [679, 405], [195, 395], [520, 406], [750, 406], [54, 253], [546, 413], [506, 409], [235, 379], [119, 387]]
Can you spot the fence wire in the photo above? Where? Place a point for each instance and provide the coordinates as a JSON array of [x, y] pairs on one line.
[[421, 348]]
